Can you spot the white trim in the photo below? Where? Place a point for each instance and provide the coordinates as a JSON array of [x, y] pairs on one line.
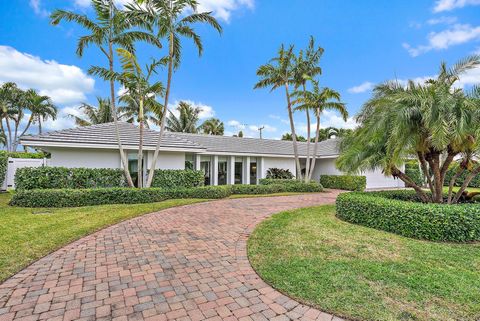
[[260, 155]]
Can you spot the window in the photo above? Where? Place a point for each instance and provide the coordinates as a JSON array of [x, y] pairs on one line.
[[189, 161], [238, 171], [253, 171], [133, 167], [222, 171], [205, 167]]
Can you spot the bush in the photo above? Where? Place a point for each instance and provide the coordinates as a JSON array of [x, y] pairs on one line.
[[400, 212], [273, 181], [296, 187], [475, 182], [101, 196], [413, 171], [28, 178], [345, 182], [4, 155], [279, 173], [177, 178]]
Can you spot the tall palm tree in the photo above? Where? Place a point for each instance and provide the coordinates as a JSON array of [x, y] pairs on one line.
[[128, 111], [187, 120], [137, 84], [318, 100], [435, 120], [94, 115], [214, 126], [171, 19], [278, 73], [13, 104], [110, 28], [41, 108]]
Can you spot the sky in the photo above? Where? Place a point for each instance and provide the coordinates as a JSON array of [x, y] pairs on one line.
[[366, 42]]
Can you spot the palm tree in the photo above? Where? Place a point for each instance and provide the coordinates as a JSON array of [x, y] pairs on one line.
[[94, 115], [187, 120], [128, 111], [319, 100], [329, 132], [173, 22], [137, 85], [40, 107], [288, 136], [13, 104], [214, 126], [110, 28], [278, 73], [435, 121]]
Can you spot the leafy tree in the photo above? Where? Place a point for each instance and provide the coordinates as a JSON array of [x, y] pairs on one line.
[[41, 108], [110, 28], [329, 132], [288, 136], [94, 115], [128, 111], [187, 121], [172, 21], [240, 134], [435, 121], [213, 126]]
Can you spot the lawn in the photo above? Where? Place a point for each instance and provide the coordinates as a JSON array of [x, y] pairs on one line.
[[361, 273], [28, 234]]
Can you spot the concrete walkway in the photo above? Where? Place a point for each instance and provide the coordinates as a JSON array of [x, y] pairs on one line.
[[185, 263]]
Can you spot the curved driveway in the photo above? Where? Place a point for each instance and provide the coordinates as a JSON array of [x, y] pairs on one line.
[[185, 263]]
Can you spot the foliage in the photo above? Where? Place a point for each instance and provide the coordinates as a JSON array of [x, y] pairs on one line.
[[171, 179], [278, 187], [345, 182], [435, 121], [288, 136], [94, 115], [213, 126], [475, 182], [395, 212], [4, 155], [413, 170], [187, 120], [279, 173], [29, 178]]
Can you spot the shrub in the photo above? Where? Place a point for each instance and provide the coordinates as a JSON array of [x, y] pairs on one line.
[[413, 171], [273, 181], [345, 182], [177, 178], [400, 212], [4, 155], [101, 196], [475, 182], [28, 178], [279, 173], [297, 187]]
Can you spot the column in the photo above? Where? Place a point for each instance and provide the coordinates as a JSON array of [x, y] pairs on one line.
[[197, 162], [260, 168], [231, 170], [246, 170], [215, 171]]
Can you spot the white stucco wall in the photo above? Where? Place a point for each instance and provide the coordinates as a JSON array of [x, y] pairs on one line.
[[278, 162], [375, 179], [167, 160], [88, 158]]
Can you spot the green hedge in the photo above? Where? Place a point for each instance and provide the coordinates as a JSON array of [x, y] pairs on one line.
[[279, 173], [412, 170], [277, 188], [28, 178], [4, 155], [399, 212], [177, 178], [345, 182], [475, 182], [101, 196]]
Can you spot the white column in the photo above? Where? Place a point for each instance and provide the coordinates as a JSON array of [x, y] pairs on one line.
[[215, 170], [197, 162], [260, 168], [231, 170], [246, 170]]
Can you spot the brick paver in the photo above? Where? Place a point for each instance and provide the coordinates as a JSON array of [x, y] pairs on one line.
[[185, 263]]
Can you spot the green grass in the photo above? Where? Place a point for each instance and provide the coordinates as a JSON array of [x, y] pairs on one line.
[[28, 234], [361, 273], [455, 188]]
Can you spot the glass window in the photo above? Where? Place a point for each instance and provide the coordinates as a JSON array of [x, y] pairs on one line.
[[253, 171], [205, 167], [222, 170], [189, 161], [238, 171], [133, 167]]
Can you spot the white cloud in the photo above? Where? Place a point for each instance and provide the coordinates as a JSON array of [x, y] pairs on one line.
[[448, 5], [236, 124], [38, 9], [251, 130], [364, 87], [282, 120], [65, 84], [442, 20], [206, 111], [456, 35]]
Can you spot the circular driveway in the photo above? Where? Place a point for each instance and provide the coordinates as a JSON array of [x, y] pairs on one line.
[[184, 263]]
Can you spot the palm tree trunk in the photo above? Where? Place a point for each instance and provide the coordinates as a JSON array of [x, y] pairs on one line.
[[307, 165], [410, 183], [140, 146], [30, 120], [9, 148], [465, 184], [115, 120], [459, 172], [39, 125], [315, 148], [165, 110], [294, 134], [15, 135]]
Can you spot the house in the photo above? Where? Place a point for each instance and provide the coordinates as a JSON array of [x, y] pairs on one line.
[[224, 160]]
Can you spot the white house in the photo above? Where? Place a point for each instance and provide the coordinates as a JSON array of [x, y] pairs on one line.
[[224, 160]]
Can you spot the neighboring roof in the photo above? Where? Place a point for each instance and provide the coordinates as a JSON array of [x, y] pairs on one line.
[[103, 136]]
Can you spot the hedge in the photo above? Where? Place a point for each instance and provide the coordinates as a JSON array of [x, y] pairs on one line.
[[345, 182], [298, 187], [279, 173], [28, 178], [399, 212], [4, 155], [102, 196], [412, 170], [475, 182], [177, 178]]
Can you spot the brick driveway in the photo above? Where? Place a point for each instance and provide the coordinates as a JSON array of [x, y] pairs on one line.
[[185, 263]]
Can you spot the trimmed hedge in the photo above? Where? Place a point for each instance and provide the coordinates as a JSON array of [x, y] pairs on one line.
[[277, 188], [28, 178], [177, 178], [412, 170], [345, 182], [400, 212], [102, 196]]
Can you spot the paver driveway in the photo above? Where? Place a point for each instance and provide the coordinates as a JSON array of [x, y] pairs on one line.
[[185, 263]]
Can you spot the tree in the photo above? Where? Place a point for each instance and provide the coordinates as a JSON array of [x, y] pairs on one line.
[[172, 20], [137, 85], [329, 132], [94, 115], [128, 111], [434, 121], [240, 134], [187, 120], [214, 126], [278, 73], [318, 100], [41, 108], [288, 136], [110, 28]]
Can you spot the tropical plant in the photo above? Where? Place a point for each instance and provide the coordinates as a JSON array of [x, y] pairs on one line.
[[137, 85], [94, 115], [187, 120], [214, 126], [172, 20], [318, 100], [278, 73], [110, 28], [288, 136], [41, 108], [128, 111], [329, 132], [435, 121]]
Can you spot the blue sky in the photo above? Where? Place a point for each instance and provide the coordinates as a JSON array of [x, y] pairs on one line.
[[365, 42]]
